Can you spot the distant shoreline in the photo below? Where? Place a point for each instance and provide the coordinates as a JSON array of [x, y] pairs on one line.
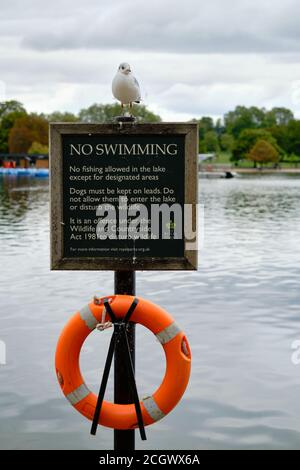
[[258, 171], [251, 171]]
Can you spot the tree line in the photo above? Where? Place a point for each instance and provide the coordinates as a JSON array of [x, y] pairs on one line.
[[246, 133], [23, 132], [256, 134]]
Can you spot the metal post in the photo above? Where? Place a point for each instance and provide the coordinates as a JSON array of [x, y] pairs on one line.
[[124, 440]]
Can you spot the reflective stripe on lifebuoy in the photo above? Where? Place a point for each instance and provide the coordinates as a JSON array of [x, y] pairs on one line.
[[153, 317]]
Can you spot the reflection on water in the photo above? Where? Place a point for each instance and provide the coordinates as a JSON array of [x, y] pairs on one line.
[[240, 312], [17, 197]]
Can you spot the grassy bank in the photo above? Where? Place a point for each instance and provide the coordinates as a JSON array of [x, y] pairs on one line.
[[223, 158]]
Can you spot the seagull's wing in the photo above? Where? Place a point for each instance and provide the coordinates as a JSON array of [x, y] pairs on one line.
[[138, 86]]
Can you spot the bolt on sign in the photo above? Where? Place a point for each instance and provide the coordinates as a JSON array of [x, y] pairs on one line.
[[124, 196]]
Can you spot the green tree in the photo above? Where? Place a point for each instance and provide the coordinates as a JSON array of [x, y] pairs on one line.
[[293, 159], [102, 113], [211, 142], [26, 130], [293, 137], [280, 134], [12, 106], [65, 116], [278, 117], [205, 124], [6, 124], [288, 137], [248, 139], [263, 152], [243, 118], [38, 149], [227, 142], [219, 127]]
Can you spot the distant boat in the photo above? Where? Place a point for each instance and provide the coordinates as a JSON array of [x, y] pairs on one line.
[[226, 174], [229, 174]]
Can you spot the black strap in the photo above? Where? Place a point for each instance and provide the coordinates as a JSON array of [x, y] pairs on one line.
[[119, 334], [131, 310], [104, 381], [109, 310], [132, 383]]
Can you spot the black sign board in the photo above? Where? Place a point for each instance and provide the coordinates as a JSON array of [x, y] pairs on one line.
[[119, 195]]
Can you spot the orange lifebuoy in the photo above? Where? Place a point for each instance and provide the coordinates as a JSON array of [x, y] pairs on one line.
[[153, 317]]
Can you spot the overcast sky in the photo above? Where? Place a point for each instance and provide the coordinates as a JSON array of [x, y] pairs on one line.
[[191, 57]]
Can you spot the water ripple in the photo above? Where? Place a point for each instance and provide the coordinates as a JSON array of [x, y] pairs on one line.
[[240, 312]]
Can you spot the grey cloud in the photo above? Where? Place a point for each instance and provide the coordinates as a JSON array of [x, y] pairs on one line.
[[155, 72], [219, 26], [191, 57], [195, 42], [213, 100]]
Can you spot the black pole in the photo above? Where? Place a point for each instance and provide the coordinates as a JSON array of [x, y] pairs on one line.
[[124, 440]]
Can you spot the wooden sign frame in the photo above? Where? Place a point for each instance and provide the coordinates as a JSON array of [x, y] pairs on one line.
[[57, 130]]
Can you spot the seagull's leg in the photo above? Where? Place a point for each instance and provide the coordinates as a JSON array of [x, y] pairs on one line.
[[130, 108]]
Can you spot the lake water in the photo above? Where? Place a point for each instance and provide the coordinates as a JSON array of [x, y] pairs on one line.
[[240, 312]]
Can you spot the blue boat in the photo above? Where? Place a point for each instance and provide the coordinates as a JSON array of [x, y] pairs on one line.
[[32, 172]]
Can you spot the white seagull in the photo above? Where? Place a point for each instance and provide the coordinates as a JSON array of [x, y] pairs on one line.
[[125, 86]]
